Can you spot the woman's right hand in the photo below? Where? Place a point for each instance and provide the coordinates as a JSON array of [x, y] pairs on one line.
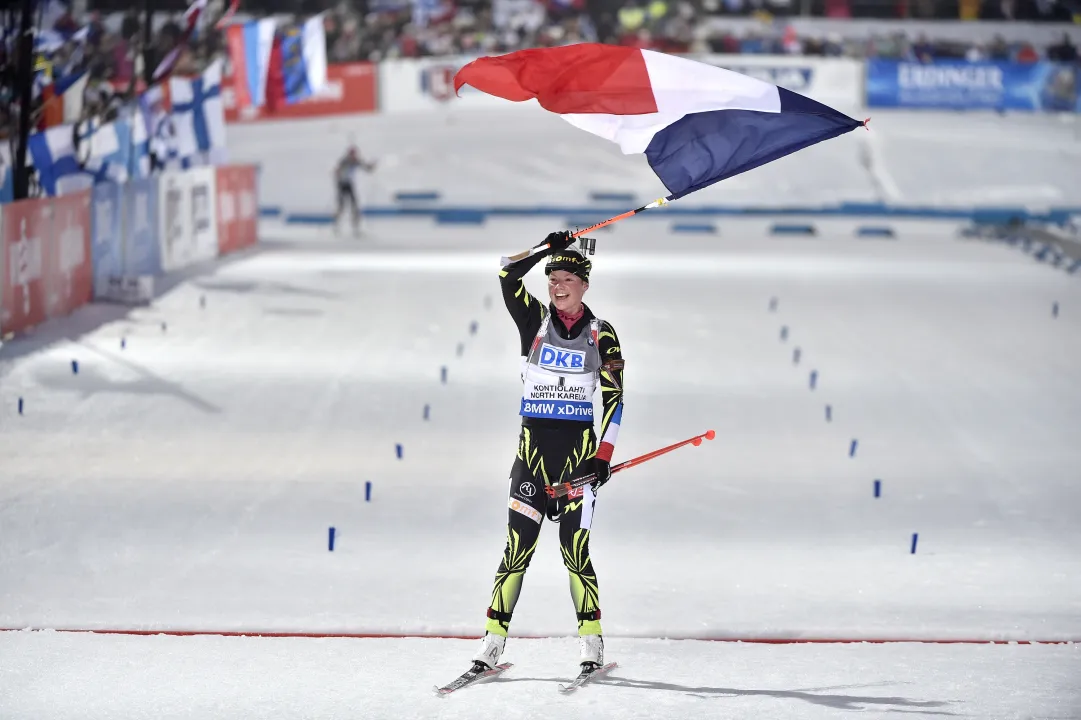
[[559, 241]]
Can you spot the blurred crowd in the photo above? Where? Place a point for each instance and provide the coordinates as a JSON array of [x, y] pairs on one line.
[[382, 29], [111, 46]]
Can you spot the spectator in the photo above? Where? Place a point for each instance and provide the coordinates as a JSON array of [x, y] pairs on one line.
[[998, 49], [1064, 52], [1027, 54], [922, 50]]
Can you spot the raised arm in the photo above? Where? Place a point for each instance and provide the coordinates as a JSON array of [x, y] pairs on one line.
[[526, 310]]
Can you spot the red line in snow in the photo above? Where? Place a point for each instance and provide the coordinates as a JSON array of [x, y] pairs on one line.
[[438, 636]]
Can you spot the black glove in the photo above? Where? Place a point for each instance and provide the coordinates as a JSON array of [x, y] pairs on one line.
[[559, 241], [603, 471]]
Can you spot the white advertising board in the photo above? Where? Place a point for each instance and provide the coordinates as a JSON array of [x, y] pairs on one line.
[[187, 217], [204, 217], [837, 82], [174, 204], [416, 85]]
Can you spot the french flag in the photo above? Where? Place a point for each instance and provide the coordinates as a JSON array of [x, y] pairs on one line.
[[697, 124]]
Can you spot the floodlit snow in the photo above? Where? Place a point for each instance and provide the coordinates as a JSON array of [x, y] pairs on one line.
[[522, 156], [65, 676], [186, 477]]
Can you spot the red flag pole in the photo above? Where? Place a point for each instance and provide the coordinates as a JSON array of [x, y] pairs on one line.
[[543, 247], [563, 488]]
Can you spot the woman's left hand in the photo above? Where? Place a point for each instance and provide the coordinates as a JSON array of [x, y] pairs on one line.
[[603, 471]]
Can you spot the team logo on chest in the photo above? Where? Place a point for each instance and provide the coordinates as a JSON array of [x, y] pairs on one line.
[[553, 358]]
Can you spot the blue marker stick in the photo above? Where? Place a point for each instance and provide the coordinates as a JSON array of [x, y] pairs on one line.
[[852, 448], [829, 414], [915, 537], [427, 411], [443, 374], [330, 540], [20, 406], [473, 328], [784, 332], [368, 491], [795, 356], [814, 379], [398, 450], [74, 367], [123, 343], [878, 488]]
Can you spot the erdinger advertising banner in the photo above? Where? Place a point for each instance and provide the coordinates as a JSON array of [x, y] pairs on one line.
[[1050, 87], [142, 252], [22, 287], [107, 250], [69, 268], [237, 221], [351, 88]]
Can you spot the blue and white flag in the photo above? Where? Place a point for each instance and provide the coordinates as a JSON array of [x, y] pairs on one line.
[[304, 61], [7, 177], [47, 42], [103, 152], [198, 115], [53, 155], [139, 160], [424, 11]]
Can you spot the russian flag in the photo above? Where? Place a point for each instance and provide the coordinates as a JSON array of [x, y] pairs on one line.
[[697, 124], [250, 46]]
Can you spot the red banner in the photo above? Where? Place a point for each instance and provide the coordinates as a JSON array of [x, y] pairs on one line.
[[351, 88], [237, 212], [22, 301], [49, 272], [69, 269]]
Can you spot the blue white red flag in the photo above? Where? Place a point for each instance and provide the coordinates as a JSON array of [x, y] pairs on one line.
[[697, 124]]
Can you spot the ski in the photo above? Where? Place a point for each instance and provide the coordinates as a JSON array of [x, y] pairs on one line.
[[471, 677], [585, 676]]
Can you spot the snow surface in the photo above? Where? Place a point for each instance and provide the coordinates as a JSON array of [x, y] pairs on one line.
[[522, 156], [66, 676], [186, 477]]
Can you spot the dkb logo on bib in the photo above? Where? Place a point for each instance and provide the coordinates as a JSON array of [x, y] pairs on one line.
[[560, 359]]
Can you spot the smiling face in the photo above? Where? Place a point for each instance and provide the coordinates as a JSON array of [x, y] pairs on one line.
[[566, 290]]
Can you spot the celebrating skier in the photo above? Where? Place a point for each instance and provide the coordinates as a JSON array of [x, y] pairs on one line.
[[566, 353]]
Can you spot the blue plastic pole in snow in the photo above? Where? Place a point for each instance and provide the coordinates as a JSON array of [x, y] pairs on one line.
[[330, 540]]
